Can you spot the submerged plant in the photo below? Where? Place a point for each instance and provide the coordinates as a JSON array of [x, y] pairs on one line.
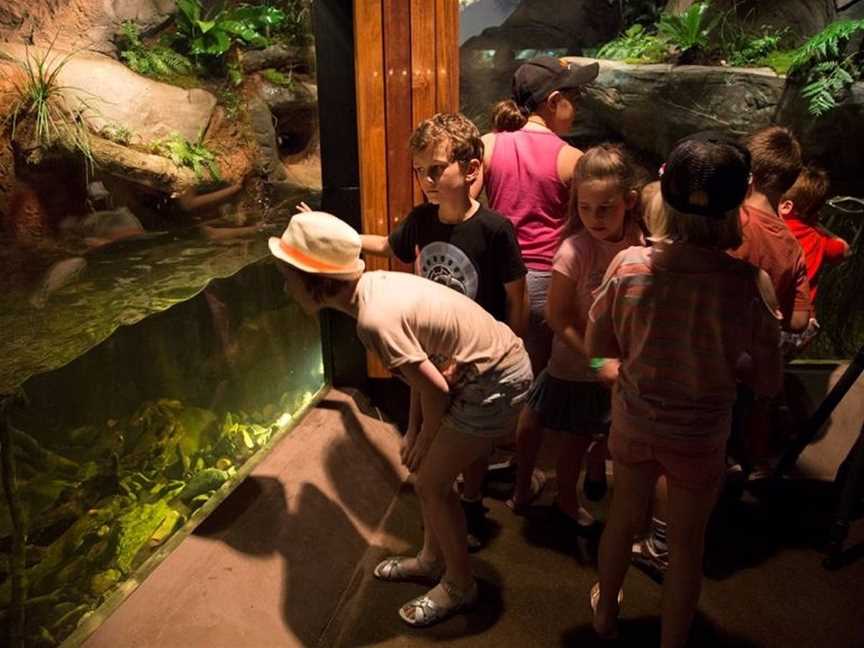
[[37, 94], [157, 61], [826, 67], [193, 155]]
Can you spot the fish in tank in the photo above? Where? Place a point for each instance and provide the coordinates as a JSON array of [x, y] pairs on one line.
[[150, 355]]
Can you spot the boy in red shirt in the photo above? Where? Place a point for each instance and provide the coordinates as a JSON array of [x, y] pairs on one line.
[[799, 208]]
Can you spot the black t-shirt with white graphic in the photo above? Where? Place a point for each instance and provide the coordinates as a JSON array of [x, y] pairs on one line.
[[475, 257]]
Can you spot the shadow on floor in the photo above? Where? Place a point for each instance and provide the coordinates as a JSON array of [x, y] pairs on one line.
[[645, 631]]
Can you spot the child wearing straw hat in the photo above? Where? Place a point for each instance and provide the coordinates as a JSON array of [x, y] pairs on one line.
[[472, 374]]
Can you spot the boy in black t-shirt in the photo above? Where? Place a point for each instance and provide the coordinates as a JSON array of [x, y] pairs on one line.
[[453, 240]]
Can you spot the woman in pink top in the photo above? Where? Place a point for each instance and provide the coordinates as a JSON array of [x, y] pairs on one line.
[[527, 170], [687, 321]]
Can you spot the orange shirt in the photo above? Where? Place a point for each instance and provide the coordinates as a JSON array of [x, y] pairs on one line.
[[685, 322], [769, 245]]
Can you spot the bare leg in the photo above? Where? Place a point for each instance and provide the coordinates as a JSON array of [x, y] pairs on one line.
[[689, 512], [450, 453], [529, 438], [474, 476], [568, 468], [630, 502]]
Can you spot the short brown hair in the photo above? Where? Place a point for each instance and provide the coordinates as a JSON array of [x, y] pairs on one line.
[[809, 192], [455, 128], [776, 159]]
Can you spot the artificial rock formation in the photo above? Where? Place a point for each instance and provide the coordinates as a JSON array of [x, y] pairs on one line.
[[650, 107]]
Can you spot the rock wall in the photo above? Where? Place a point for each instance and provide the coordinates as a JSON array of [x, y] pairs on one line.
[[650, 107], [78, 24]]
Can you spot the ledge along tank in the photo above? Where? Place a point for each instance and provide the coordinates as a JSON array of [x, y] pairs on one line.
[[149, 354]]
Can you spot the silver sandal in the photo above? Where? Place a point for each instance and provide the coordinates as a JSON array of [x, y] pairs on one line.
[[427, 612], [392, 570]]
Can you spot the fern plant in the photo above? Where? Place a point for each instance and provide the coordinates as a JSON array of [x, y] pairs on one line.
[[826, 68], [185, 153], [635, 45], [39, 95], [156, 61], [690, 29]]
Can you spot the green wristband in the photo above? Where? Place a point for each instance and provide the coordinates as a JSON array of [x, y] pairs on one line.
[[596, 364]]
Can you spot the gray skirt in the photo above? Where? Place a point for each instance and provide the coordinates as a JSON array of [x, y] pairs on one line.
[[570, 405]]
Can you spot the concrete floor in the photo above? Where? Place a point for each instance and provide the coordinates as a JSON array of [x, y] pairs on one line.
[[287, 561]]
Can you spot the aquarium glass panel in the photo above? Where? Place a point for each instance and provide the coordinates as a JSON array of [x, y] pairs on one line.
[[150, 357]]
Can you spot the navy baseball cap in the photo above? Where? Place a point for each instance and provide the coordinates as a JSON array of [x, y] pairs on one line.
[[538, 78]]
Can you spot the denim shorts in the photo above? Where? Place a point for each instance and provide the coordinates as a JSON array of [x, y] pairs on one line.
[[489, 406]]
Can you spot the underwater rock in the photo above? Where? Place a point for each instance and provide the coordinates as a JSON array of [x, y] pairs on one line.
[[173, 520], [109, 225]]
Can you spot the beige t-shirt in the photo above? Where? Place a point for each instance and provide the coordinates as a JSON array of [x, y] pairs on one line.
[[583, 259], [406, 319]]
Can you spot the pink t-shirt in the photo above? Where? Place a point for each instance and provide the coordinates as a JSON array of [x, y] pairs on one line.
[[583, 259], [522, 183], [684, 320]]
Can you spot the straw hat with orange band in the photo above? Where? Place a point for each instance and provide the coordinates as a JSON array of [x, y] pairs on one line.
[[319, 243]]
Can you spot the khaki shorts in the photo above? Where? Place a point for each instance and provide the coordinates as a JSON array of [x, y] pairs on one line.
[[696, 465]]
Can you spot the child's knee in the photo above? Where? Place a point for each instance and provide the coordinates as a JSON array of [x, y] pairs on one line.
[[431, 487]]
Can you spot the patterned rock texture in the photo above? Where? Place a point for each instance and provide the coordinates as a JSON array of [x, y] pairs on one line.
[[84, 24], [651, 106]]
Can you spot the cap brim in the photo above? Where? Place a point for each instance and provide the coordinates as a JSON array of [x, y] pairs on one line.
[[580, 76], [276, 249]]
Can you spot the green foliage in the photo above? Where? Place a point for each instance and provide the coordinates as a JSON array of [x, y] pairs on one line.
[[211, 36], [635, 45], [235, 73], [231, 101], [780, 61], [829, 44], [155, 61], [279, 78], [825, 67], [295, 29], [40, 96], [826, 81], [117, 133], [690, 29], [753, 49], [193, 155]]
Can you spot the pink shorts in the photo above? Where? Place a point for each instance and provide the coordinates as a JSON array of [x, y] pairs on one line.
[[695, 465]]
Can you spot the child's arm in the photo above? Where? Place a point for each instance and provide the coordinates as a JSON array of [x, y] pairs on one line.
[[375, 244], [434, 397], [803, 309], [600, 339], [766, 374], [517, 306], [836, 249], [561, 312]]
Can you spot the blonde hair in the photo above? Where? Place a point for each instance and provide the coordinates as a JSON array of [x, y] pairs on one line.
[[609, 162], [667, 223]]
